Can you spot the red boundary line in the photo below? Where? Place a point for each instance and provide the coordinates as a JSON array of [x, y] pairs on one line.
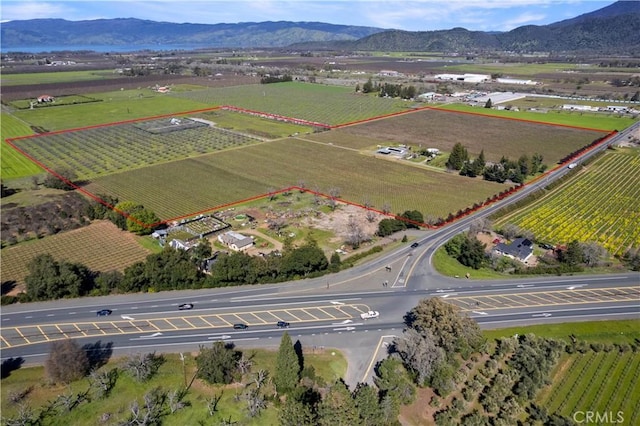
[[451, 218]]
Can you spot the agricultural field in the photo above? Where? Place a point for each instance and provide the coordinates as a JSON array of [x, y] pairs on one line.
[[211, 180], [113, 107], [256, 126], [110, 149], [12, 163], [313, 102], [443, 129], [595, 121], [605, 382], [100, 246], [55, 77], [600, 204]]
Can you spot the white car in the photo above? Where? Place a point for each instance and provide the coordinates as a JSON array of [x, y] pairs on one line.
[[370, 314]]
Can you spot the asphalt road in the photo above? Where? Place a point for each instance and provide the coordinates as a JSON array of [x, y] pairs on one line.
[[323, 312]]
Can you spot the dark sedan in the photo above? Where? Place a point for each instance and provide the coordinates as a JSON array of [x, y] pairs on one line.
[[185, 306], [104, 312]]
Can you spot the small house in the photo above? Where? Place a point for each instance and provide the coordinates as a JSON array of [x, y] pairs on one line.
[[45, 99], [519, 249], [235, 241]]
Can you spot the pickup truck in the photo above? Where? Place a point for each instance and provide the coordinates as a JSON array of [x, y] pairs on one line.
[[370, 314]]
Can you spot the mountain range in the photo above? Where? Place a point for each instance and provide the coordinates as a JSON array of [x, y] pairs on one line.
[[612, 29]]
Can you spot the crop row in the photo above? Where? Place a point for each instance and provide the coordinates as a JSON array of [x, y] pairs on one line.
[[315, 103], [191, 185], [598, 382], [105, 150], [601, 205], [101, 246]]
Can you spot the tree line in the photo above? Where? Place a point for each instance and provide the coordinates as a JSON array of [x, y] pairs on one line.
[[172, 269], [505, 169]]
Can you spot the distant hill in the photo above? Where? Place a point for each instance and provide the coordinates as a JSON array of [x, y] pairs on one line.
[[614, 29], [60, 32]]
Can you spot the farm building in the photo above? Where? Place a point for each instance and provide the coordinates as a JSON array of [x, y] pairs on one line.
[[519, 249], [235, 241], [45, 98], [516, 81], [467, 78], [571, 107]]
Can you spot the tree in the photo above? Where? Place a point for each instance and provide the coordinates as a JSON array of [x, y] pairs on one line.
[[137, 219], [573, 255], [200, 252], [287, 366], [479, 164], [142, 366], [335, 262], [458, 157], [414, 218], [366, 398], [217, 364], [419, 354], [367, 87], [67, 362], [592, 253], [295, 412], [355, 234], [451, 330], [393, 381], [488, 104], [61, 179], [49, 279], [472, 253], [338, 407], [387, 227]]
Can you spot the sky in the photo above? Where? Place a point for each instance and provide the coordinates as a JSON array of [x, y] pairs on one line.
[[416, 15]]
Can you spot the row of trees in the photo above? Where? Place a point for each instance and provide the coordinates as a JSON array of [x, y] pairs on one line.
[[505, 169], [173, 269], [408, 219], [388, 90]]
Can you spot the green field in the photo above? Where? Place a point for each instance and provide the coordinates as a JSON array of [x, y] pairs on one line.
[[314, 102], [566, 118], [105, 150], [12, 163], [114, 106], [55, 77], [187, 186], [601, 204], [614, 331], [255, 126], [601, 382]]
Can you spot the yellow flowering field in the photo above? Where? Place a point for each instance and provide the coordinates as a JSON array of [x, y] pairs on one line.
[[601, 204]]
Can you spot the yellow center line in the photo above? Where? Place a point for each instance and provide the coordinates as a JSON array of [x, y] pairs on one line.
[[289, 313], [22, 335], [311, 315], [257, 317], [43, 333], [328, 314], [6, 342], [187, 321], [98, 328], [79, 329], [171, 324]]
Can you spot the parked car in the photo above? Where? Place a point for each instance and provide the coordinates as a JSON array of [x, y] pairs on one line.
[[185, 306], [370, 314], [240, 326], [104, 312], [282, 324], [414, 245]]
